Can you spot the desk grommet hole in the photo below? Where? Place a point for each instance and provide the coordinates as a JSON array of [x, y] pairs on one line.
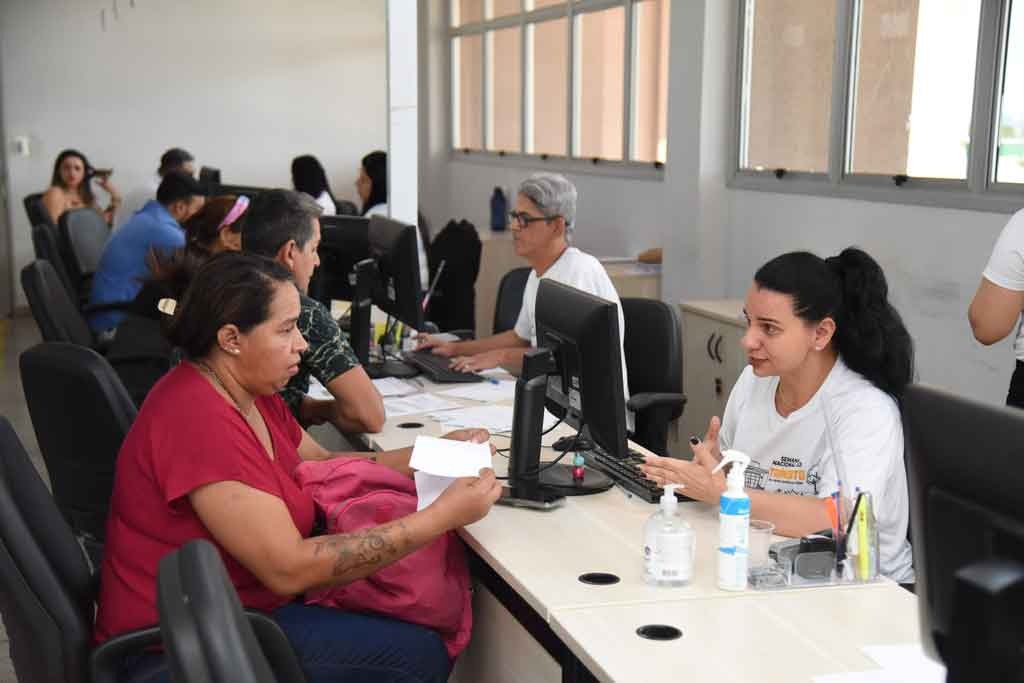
[[659, 632], [599, 578], [410, 425]]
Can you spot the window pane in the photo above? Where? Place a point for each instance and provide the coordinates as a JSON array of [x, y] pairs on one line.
[[548, 87], [787, 85], [650, 81], [467, 91], [1010, 159], [467, 11], [503, 8], [600, 51], [915, 85], [506, 90]]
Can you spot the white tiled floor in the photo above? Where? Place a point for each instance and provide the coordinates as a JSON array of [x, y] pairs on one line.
[[16, 335]]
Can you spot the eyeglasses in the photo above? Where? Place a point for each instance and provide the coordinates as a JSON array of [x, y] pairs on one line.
[[522, 220]]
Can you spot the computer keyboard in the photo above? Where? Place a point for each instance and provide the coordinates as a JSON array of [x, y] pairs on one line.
[[437, 368], [625, 473]]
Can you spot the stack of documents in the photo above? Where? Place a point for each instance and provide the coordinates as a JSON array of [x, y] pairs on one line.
[[389, 386], [485, 392], [397, 406], [439, 462], [496, 419]]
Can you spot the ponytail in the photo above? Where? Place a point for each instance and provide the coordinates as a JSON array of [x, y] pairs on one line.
[[851, 289]]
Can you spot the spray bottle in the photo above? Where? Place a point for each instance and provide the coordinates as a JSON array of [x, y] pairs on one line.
[[734, 524], [669, 544]]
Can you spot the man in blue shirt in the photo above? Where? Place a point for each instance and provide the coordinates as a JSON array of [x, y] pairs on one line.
[[157, 226]]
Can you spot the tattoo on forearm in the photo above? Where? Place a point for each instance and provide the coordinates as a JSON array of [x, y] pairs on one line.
[[378, 545]]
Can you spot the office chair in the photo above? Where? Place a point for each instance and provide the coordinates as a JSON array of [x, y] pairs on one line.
[[56, 314], [453, 303], [343, 207], [654, 357], [47, 592], [208, 636], [37, 213], [83, 234], [81, 414], [510, 299], [47, 248]]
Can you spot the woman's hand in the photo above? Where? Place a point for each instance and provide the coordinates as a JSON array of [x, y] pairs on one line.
[[696, 476], [427, 342], [480, 361], [468, 499], [474, 435]]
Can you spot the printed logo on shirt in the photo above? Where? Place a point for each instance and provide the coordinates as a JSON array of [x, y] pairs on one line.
[[787, 471]]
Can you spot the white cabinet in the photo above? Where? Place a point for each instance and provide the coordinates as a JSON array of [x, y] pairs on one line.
[[712, 361]]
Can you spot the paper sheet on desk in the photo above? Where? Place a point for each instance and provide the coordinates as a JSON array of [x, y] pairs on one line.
[[397, 406], [318, 391], [486, 392], [439, 462], [496, 419], [899, 663], [390, 386]]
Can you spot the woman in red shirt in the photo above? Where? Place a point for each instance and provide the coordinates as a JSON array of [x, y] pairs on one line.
[[210, 456]]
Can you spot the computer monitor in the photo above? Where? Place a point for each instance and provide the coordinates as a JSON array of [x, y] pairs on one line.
[[576, 372], [390, 280], [209, 177], [249, 191], [966, 473], [344, 242]]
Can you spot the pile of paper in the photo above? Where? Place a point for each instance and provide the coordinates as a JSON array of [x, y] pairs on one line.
[[496, 419], [397, 406], [389, 386], [485, 392]]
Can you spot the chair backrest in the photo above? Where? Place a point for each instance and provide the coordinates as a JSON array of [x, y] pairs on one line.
[[207, 635], [452, 306], [37, 213], [83, 234], [344, 207], [52, 307], [47, 248], [81, 414], [510, 299], [46, 588], [653, 346]]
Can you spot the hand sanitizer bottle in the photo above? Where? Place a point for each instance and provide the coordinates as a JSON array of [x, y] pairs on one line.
[[669, 544], [734, 524]]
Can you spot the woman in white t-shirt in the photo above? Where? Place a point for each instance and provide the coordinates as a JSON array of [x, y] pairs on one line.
[[996, 309], [829, 357], [308, 176]]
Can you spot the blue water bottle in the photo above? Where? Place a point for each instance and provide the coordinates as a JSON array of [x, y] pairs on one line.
[[499, 210]]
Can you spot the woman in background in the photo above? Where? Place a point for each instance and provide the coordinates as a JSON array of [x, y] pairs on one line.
[[70, 188], [308, 176]]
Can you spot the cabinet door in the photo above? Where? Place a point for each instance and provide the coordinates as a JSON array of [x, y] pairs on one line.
[[712, 360]]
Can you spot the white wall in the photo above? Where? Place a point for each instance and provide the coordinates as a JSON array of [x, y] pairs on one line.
[[715, 238], [244, 86]]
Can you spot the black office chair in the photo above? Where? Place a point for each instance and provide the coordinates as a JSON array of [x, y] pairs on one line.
[[81, 414], [83, 234], [47, 592], [37, 213], [55, 312], [47, 248], [208, 636], [453, 303], [510, 299], [654, 357], [343, 207]]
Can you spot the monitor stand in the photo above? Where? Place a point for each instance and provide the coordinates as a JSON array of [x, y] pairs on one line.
[[559, 478], [390, 368]]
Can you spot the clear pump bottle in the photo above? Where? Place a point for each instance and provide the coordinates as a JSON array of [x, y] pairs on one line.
[[669, 544]]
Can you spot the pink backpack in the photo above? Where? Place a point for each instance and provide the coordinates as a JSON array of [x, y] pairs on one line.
[[429, 587]]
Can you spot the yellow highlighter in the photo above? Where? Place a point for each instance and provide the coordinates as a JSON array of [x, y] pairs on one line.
[[864, 549]]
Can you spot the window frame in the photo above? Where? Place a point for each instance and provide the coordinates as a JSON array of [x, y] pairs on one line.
[[570, 163], [978, 191]]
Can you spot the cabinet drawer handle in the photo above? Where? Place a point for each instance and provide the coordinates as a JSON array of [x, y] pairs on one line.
[[718, 347], [711, 339]]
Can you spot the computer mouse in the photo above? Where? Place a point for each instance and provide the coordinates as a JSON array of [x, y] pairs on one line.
[[576, 443]]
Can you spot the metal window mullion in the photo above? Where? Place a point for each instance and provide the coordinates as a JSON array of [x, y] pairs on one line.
[[984, 132], [843, 80], [572, 82], [741, 120], [525, 87], [486, 97], [628, 79], [454, 104]]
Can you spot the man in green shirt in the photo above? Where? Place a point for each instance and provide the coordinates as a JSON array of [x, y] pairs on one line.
[[285, 226]]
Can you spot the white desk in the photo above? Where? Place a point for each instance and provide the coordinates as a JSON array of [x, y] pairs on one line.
[[535, 620]]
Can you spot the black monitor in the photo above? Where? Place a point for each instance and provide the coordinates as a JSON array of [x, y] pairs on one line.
[[576, 372], [249, 191], [344, 242], [966, 474], [390, 280], [209, 177]]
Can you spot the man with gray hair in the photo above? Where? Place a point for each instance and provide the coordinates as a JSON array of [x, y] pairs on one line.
[[542, 224]]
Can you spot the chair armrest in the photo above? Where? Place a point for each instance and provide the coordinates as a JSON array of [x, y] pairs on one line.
[[105, 661], [641, 402], [94, 309], [276, 647]]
